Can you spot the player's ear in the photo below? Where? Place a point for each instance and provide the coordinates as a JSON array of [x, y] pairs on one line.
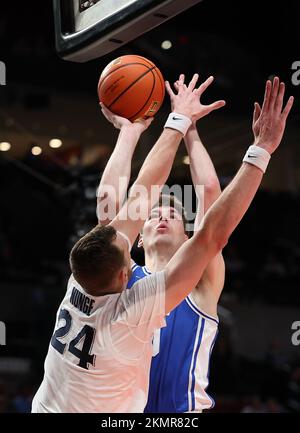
[[140, 241], [123, 274]]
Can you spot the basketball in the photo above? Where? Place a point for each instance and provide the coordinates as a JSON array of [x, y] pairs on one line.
[[131, 86]]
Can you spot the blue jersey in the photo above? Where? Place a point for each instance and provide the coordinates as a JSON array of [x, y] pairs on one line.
[[181, 355]]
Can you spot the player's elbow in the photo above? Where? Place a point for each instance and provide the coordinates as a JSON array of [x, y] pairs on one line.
[[222, 242], [219, 238], [215, 239], [212, 189]]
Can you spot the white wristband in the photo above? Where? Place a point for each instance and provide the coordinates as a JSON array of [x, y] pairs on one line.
[[177, 121], [258, 156]]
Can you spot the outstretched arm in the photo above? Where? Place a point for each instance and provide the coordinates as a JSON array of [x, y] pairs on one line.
[[208, 290], [114, 182], [202, 169], [186, 267], [205, 179], [157, 166]]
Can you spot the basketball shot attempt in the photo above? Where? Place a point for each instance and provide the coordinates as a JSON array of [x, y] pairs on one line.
[[100, 353], [132, 87]]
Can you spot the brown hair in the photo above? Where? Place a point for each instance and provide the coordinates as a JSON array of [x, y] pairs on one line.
[[172, 201], [95, 259]]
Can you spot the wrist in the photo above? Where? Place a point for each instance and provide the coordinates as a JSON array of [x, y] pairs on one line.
[[192, 128], [132, 130], [185, 113], [129, 136], [258, 156], [264, 145], [178, 121]]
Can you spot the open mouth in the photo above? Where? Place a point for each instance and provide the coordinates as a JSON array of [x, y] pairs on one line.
[[161, 226]]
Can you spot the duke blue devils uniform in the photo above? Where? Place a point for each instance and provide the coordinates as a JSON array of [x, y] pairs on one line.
[[100, 353], [181, 354]]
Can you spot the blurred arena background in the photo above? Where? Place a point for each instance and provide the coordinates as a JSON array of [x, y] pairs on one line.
[[48, 193]]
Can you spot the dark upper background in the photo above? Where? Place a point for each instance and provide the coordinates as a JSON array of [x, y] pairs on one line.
[[240, 43], [49, 200]]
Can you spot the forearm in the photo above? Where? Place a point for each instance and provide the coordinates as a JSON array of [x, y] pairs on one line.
[[157, 166], [145, 191], [202, 169], [116, 176]]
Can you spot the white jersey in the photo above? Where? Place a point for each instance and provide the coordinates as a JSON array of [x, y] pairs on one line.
[[100, 353]]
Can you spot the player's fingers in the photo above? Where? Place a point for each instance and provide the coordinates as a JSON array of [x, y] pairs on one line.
[[274, 93], [268, 87], [181, 79], [180, 88], [193, 82], [215, 105], [106, 112], [102, 106], [180, 83], [176, 85], [205, 85], [149, 120], [169, 89], [257, 111], [279, 99], [145, 121], [287, 108]]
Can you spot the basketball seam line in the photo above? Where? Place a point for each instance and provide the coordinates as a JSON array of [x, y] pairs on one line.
[[157, 70], [158, 73], [148, 96], [119, 67], [125, 90], [161, 81]]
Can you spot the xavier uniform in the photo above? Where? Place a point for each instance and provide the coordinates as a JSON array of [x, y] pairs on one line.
[[181, 354], [100, 353]]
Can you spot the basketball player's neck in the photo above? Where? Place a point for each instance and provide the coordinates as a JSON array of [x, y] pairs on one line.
[[157, 258]]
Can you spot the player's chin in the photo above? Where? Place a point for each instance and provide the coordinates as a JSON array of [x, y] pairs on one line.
[[163, 234]]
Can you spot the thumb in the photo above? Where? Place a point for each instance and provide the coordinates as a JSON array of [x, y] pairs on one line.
[[149, 120], [257, 111], [215, 106]]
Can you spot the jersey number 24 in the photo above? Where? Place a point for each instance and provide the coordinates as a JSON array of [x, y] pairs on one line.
[[87, 333]]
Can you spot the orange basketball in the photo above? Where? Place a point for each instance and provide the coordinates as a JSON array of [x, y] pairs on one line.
[[132, 87]]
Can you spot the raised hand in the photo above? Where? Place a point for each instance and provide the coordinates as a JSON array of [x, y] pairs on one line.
[[187, 100], [269, 121], [140, 125]]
